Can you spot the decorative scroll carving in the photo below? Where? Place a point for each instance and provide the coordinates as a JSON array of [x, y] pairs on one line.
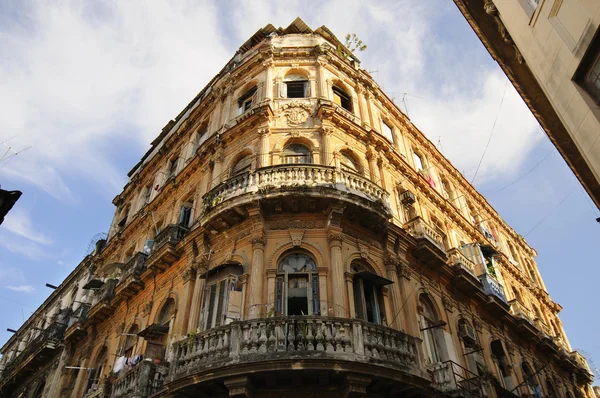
[[295, 224], [296, 113], [296, 238]]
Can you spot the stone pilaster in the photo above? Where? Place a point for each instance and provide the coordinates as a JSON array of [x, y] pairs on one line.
[[391, 267], [257, 275]]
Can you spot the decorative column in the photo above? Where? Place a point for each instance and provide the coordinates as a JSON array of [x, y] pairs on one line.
[[323, 94], [217, 167], [362, 107], [373, 169], [391, 265], [189, 281], [257, 274], [349, 276], [244, 281], [225, 116], [196, 306], [381, 173], [324, 305], [264, 139], [334, 231], [271, 277], [370, 109], [409, 301], [325, 145], [268, 80]]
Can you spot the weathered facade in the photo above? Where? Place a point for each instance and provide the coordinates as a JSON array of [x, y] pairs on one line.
[[550, 51], [292, 233]]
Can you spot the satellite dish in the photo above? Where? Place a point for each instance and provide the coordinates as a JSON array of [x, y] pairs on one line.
[[94, 242]]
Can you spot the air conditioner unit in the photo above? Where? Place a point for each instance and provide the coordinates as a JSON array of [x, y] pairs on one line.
[[407, 198], [467, 332]]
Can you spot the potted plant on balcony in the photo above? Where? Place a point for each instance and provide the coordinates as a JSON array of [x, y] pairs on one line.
[[157, 359]]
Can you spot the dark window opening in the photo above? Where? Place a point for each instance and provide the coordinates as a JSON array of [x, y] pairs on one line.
[[246, 100], [342, 99], [297, 89], [588, 72]]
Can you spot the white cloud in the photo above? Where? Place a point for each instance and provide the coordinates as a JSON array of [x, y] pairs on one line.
[[21, 288], [18, 222], [87, 79]]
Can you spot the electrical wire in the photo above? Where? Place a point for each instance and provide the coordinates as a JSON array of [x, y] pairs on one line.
[[549, 213], [491, 133], [524, 175]]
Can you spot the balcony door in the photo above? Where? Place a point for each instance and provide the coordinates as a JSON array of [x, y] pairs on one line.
[[297, 285]]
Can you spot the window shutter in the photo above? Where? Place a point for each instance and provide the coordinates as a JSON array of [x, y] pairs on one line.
[[220, 303], [306, 89], [279, 301], [282, 90], [358, 301], [211, 306], [315, 295]]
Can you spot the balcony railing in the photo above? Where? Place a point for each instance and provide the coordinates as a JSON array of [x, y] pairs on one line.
[[142, 381], [76, 320], [543, 328], [451, 378], [294, 176], [492, 287], [519, 310], [101, 303], [459, 260], [287, 337], [130, 282], [420, 229], [48, 338], [171, 234]]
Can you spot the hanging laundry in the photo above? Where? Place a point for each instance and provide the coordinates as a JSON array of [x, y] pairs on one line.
[[120, 364], [430, 180]]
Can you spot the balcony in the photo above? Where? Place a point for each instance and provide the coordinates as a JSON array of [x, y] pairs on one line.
[[164, 250], [457, 381], [465, 278], [36, 353], [75, 329], [524, 319], [496, 302], [430, 246], [140, 382], [546, 336], [130, 283], [102, 307], [294, 188], [274, 345], [584, 373]]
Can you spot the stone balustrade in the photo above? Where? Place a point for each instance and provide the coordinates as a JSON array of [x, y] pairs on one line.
[[172, 233], [288, 337], [418, 228], [542, 327], [142, 381], [459, 260], [492, 287], [519, 310], [294, 177]]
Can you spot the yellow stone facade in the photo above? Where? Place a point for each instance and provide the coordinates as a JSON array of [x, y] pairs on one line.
[[291, 232]]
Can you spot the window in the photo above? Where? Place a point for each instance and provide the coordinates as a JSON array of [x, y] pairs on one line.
[[297, 286], [368, 297], [242, 166], [96, 372], [472, 353], [502, 363], [146, 195], [172, 168], [347, 162], [200, 137], [185, 215], [130, 341], [341, 98], [296, 86], [386, 130], [222, 297], [297, 153], [246, 100], [448, 189], [431, 332], [418, 161]]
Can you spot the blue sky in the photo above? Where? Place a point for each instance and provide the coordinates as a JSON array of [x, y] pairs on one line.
[[89, 86]]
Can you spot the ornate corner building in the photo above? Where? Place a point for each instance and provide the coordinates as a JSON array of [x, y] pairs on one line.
[[292, 233]]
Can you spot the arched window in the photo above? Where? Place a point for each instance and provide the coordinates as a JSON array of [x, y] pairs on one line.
[[368, 295], [342, 98], [297, 285], [472, 354], [502, 363], [529, 378], [246, 100], [297, 154], [448, 189], [431, 332], [550, 389], [222, 296], [243, 165], [130, 341], [296, 86], [97, 368], [166, 312], [347, 162]]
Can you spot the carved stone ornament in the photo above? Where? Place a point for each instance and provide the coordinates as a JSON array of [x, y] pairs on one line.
[[296, 113], [147, 308], [335, 240], [304, 224], [364, 250], [448, 304], [296, 238], [189, 274]]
